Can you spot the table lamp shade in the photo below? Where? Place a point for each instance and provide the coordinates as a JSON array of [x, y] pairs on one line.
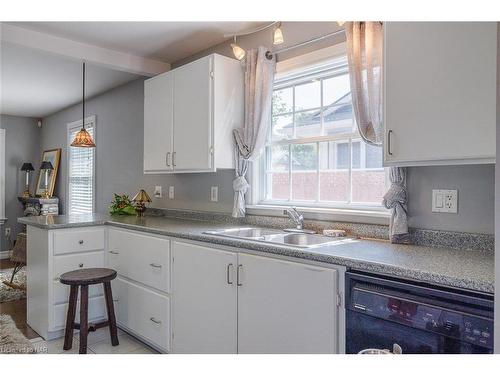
[[142, 196], [46, 165], [27, 167]]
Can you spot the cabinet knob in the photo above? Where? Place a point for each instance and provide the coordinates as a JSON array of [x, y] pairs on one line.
[[80, 242], [156, 321], [80, 265]]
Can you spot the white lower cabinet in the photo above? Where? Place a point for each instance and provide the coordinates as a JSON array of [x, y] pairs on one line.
[[96, 312], [204, 305], [185, 297], [286, 307], [144, 312], [225, 302]]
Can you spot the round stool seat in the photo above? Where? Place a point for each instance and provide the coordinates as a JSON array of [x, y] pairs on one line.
[[88, 276]]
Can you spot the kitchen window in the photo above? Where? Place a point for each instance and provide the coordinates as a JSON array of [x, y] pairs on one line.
[[314, 155], [81, 171]]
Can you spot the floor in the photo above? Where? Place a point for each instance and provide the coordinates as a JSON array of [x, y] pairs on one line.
[[98, 342], [16, 309]]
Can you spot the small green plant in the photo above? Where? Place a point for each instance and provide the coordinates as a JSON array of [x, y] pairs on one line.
[[122, 205]]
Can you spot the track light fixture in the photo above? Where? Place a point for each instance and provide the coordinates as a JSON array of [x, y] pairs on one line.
[[238, 52], [278, 35]]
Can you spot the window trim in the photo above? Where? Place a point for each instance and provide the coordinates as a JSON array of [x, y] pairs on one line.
[[359, 212], [90, 120]]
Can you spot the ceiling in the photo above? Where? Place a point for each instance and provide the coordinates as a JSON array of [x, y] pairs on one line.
[[35, 82], [165, 41]]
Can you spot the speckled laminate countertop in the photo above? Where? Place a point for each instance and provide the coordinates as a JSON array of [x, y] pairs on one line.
[[467, 269]]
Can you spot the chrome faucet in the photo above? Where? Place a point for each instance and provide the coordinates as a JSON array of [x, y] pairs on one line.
[[298, 219]]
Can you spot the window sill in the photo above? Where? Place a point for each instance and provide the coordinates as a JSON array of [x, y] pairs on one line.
[[360, 216]]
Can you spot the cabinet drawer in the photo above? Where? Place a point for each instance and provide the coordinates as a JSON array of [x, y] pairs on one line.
[[61, 292], [143, 311], [142, 258], [97, 312], [75, 240], [66, 263]]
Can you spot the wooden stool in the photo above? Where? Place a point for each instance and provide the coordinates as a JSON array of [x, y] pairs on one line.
[[83, 278]]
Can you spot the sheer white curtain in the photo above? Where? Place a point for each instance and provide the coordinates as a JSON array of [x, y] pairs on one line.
[[365, 58], [250, 140]]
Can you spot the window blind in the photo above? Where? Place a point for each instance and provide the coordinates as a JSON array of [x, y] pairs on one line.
[[81, 177]]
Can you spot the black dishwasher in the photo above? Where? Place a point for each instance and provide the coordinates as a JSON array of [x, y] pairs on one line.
[[382, 311]]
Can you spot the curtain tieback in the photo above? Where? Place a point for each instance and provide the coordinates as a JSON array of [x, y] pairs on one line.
[[240, 184], [395, 196]]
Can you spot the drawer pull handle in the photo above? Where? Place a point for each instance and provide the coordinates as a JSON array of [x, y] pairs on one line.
[[155, 320], [114, 252], [80, 242], [80, 265], [155, 265], [115, 300]]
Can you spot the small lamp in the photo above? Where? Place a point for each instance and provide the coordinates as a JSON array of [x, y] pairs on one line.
[[140, 199], [46, 167], [28, 168]]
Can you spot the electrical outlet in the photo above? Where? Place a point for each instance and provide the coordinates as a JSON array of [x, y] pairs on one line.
[[214, 194], [7, 232], [171, 192], [157, 193], [445, 201]]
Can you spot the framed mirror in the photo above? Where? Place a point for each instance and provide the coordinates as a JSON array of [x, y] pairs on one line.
[[54, 156]]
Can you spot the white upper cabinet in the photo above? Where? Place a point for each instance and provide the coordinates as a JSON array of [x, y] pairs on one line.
[[158, 123], [189, 115], [440, 93], [193, 116]]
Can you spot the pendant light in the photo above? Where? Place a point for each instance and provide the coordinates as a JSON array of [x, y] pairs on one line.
[[278, 35], [238, 52], [83, 138]]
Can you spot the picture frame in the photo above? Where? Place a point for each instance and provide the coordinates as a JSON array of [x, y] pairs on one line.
[[54, 156]]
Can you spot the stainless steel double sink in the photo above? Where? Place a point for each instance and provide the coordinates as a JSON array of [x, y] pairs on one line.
[[302, 240]]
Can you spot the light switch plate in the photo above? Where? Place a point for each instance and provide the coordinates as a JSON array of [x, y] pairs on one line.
[[171, 192], [214, 194], [157, 193], [445, 201]]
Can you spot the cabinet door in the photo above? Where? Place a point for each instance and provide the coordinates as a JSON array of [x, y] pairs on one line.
[[286, 307], [143, 311], [193, 123], [204, 300], [158, 123], [440, 92]]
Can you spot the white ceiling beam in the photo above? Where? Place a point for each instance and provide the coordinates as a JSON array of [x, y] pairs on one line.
[[81, 51]]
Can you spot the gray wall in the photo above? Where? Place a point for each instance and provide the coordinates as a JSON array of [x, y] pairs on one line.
[[22, 144], [119, 122], [476, 194], [119, 169], [497, 211]]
